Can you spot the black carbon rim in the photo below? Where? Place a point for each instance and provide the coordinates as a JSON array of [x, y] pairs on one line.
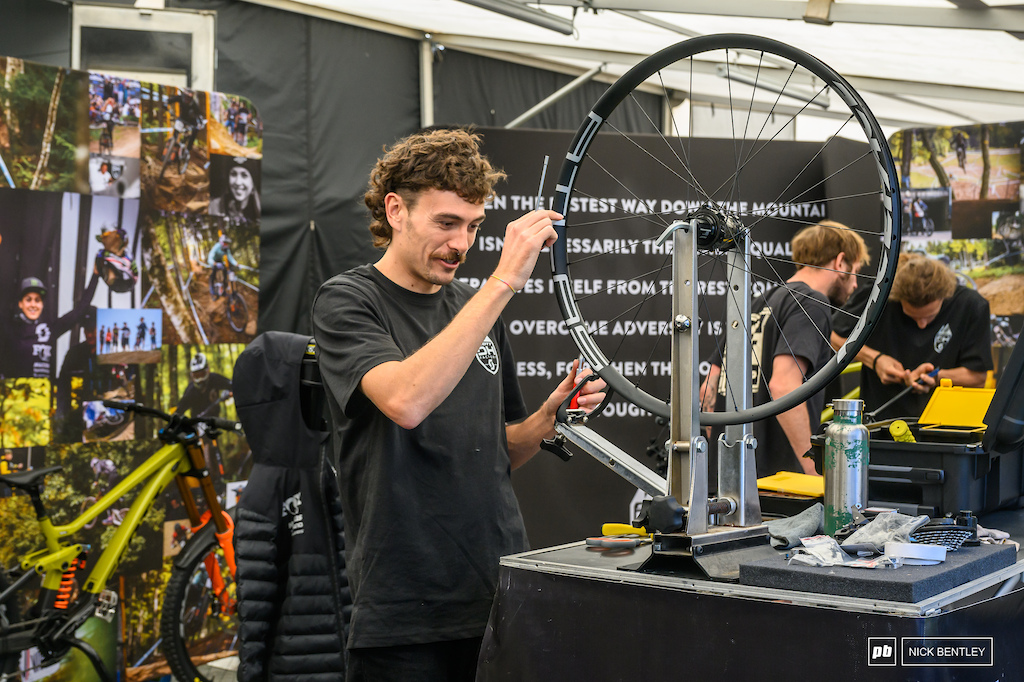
[[888, 198]]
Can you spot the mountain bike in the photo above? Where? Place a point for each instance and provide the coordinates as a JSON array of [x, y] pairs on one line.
[[106, 142], [236, 309], [177, 149], [198, 624]]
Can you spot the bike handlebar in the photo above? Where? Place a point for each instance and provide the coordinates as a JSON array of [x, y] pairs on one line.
[[216, 422]]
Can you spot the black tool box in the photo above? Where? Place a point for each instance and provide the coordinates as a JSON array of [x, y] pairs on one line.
[[953, 468]]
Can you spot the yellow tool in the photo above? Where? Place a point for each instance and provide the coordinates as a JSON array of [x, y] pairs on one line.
[[622, 529], [901, 432]]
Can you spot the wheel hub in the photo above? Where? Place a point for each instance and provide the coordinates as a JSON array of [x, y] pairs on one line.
[[717, 229]]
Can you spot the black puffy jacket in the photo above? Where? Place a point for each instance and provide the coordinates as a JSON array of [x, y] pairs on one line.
[[293, 595]]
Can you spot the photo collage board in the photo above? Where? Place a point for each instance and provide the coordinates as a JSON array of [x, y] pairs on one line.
[[963, 203], [129, 271]]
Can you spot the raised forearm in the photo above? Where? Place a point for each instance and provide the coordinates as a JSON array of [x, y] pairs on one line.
[[409, 390]]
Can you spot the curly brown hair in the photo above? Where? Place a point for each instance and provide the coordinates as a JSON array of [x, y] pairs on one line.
[[448, 160], [920, 281]]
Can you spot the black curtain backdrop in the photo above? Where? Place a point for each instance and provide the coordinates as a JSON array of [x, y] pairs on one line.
[[489, 92], [39, 31]]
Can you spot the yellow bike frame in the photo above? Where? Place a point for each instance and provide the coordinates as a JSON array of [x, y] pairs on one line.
[[172, 461]]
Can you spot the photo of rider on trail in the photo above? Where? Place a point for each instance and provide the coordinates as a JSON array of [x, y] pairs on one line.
[[174, 165]]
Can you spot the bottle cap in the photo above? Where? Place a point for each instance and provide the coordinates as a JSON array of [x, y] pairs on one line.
[[844, 405]]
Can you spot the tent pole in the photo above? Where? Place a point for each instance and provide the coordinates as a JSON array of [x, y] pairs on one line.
[[555, 97], [426, 81]]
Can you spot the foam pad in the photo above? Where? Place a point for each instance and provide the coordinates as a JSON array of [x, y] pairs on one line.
[[904, 584]]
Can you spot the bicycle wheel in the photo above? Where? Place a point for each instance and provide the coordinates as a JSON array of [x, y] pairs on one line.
[[168, 155], [183, 156], [752, 187], [238, 312], [199, 625]]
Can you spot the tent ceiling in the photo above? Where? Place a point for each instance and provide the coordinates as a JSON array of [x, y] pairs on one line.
[[916, 62]]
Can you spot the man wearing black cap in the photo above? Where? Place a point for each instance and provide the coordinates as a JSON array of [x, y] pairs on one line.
[[32, 337]]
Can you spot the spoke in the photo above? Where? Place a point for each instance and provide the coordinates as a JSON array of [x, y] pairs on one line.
[[818, 184], [664, 264], [783, 283], [632, 307], [659, 161], [808, 165], [689, 138], [777, 133], [768, 116], [796, 293], [732, 127], [819, 267], [796, 297], [631, 279], [628, 215], [675, 126], [826, 200], [625, 248], [682, 163], [746, 123], [623, 186], [805, 222]]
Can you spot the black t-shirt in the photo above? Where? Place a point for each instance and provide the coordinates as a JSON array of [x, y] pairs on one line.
[[846, 318], [31, 349], [959, 336], [790, 320], [430, 510]]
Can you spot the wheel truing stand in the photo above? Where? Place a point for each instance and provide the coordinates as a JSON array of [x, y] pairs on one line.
[[689, 527]]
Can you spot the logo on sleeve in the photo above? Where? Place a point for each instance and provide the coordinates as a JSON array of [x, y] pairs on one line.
[[942, 337], [487, 355]]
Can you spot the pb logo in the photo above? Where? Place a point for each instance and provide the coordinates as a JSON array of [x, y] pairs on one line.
[[882, 651]]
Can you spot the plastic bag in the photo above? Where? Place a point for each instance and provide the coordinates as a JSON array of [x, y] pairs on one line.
[[886, 527]]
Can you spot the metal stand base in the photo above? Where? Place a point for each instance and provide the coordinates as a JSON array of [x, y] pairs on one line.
[[718, 554]]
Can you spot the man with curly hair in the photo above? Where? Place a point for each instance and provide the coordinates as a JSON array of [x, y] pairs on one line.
[[929, 321], [428, 415]]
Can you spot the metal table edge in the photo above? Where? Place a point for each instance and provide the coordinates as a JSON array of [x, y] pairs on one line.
[[532, 561]]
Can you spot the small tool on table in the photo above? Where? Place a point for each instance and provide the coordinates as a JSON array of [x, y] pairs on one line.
[[873, 415], [619, 536]]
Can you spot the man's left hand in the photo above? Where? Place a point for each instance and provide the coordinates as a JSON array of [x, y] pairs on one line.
[[590, 396]]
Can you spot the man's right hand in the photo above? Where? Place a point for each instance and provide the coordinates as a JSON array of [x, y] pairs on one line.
[[890, 370], [524, 239]]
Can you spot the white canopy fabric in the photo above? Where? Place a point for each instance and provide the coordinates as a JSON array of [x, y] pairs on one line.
[[910, 59]]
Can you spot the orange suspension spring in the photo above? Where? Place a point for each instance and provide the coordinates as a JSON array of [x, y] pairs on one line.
[[67, 584]]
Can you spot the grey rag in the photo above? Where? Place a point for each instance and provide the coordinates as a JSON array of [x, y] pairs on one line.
[[786, 533]]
